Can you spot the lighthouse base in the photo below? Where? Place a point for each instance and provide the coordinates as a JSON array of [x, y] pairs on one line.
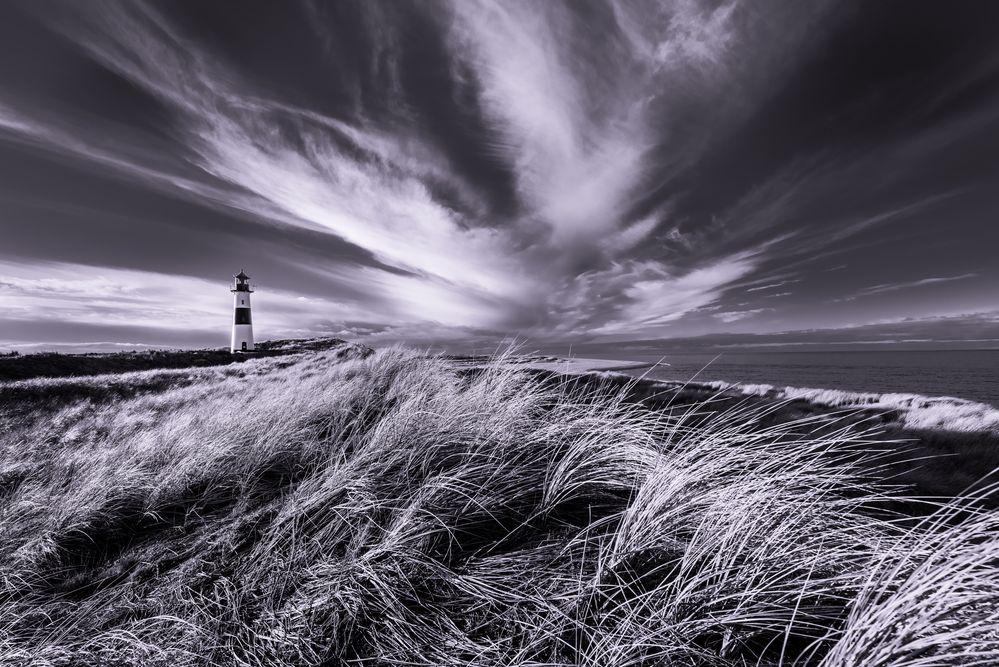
[[242, 339]]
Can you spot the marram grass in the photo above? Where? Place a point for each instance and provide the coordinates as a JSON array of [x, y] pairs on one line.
[[397, 511]]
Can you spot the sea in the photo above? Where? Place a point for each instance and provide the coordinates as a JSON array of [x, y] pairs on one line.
[[968, 374]]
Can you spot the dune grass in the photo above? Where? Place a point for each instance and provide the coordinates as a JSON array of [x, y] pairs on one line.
[[393, 510]]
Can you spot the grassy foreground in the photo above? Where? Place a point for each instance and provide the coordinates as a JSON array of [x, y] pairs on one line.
[[318, 509]]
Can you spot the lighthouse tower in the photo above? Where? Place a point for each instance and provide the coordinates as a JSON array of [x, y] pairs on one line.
[[242, 324]]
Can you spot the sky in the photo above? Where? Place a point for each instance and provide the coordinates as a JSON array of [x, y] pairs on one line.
[[468, 171]]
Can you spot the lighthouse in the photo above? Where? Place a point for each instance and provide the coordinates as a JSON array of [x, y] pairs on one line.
[[242, 323]]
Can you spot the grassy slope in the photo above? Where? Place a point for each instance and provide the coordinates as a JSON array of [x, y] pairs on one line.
[[317, 509]]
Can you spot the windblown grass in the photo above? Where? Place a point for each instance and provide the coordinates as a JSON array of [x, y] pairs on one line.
[[396, 511]]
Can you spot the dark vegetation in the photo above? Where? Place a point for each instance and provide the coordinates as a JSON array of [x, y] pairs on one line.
[[52, 364]]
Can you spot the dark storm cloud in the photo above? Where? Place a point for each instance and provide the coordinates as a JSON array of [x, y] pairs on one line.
[[474, 169]]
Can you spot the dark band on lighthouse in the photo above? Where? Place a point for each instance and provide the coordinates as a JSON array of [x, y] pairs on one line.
[[242, 316]]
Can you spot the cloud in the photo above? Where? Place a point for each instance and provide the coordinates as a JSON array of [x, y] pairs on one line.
[[571, 121], [379, 201], [576, 126], [768, 286], [894, 287], [736, 315], [653, 297]]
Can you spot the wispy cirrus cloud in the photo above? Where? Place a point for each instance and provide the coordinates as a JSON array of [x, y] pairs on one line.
[[770, 286], [894, 287], [736, 315]]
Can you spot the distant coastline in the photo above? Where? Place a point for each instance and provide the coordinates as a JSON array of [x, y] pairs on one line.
[[910, 410], [962, 410], [963, 374]]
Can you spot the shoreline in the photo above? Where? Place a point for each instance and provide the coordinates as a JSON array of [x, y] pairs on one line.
[[914, 410]]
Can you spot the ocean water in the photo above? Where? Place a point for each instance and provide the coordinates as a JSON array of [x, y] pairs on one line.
[[967, 374]]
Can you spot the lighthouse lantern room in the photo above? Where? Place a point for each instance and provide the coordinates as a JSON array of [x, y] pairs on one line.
[[242, 323]]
